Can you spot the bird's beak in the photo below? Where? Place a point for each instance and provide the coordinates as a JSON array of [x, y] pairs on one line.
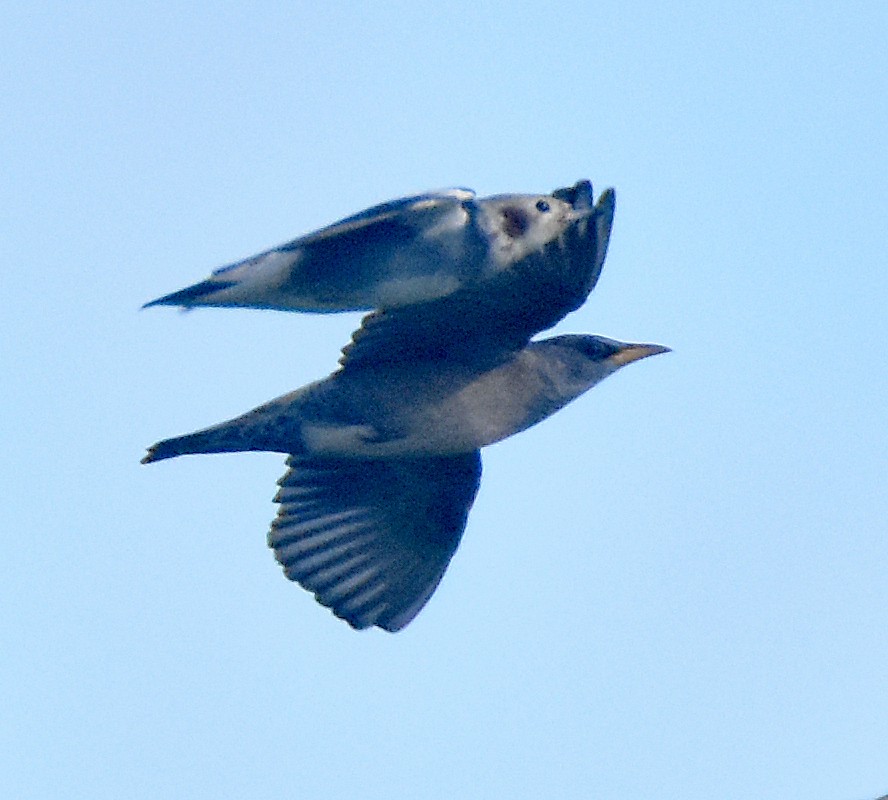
[[633, 352]]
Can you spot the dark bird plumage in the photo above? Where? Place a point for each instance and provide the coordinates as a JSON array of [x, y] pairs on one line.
[[384, 454]]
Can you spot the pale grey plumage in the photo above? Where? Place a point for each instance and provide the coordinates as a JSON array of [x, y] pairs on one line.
[[398, 253], [417, 409], [384, 454], [385, 464]]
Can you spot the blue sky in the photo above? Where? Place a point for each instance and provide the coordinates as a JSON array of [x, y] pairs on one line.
[[673, 588]]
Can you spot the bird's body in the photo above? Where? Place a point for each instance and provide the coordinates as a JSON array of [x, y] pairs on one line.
[[398, 449], [415, 410], [384, 454], [398, 253]]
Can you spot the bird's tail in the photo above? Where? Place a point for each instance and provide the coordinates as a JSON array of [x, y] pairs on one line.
[[179, 446], [201, 294], [248, 433]]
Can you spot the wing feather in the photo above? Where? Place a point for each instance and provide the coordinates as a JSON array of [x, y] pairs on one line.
[[487, 320], [372, 539]]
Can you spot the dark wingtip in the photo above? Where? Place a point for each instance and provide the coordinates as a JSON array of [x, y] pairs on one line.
[[607, 201], [579, 195]]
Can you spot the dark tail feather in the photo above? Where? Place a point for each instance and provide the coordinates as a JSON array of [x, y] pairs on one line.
[[235, 436], [219, 439], [192, 295], [178, 446]]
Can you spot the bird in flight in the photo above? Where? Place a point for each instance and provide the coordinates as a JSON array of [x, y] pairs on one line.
[[384, 454], [398, 253]]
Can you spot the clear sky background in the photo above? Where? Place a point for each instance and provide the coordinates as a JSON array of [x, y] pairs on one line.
[[677, 587]]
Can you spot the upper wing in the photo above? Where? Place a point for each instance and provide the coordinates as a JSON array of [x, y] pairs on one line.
[[485, 320], [398, 211], [336, 268], [373, 538]]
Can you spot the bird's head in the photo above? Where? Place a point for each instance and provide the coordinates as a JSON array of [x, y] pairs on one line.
[[520, 224], [583, 360]]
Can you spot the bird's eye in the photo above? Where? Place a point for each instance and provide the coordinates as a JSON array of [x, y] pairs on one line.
[[542, 206]]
